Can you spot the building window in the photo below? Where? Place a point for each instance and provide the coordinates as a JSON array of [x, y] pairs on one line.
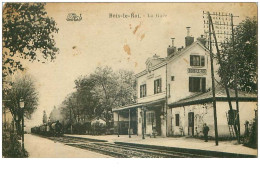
[[169, 90], [197, 60], [150, 118], [177, 119], [143, 90], [197, 84], [157, 86], [172, 78]]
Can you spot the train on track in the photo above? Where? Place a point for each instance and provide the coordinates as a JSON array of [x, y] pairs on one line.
[[54, 129]]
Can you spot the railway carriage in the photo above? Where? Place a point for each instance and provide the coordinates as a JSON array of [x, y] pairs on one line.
[[54, 129]]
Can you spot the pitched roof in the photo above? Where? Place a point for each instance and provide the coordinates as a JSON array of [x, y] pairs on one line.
[[176, 54], [162, 61], [220, 94]]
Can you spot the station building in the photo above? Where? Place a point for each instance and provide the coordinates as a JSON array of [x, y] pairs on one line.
[[174, 96]]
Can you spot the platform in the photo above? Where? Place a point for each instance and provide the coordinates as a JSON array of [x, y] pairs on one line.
[[180, 142]]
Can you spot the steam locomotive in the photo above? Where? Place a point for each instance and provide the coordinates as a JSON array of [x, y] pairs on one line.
[[54, 129]]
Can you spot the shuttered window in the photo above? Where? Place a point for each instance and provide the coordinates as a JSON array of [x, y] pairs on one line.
[[143, 90], [197, 84], [150, 118], [197, 60], [157, 86], [177, 119]]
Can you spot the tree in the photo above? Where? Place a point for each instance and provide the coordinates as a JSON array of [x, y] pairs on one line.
[[68, 111], [96, 94], [23, 88], [87, 101], [113, 89], [27, 34], [245, 54]]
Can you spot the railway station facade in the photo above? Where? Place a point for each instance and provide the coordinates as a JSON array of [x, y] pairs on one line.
[[174, 96]]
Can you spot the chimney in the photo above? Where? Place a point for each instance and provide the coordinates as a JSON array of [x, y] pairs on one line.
[[180, 49], [188, 31], [155, 56], [202, 40], [171, 49], [173, 41], [188, 39]]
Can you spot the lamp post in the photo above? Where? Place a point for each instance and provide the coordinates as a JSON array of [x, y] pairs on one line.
[[143, 120], [21, 105]]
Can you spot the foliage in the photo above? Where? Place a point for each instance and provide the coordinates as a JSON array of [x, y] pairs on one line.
[[96, 95], [23, 88], [245, 54], [11, 147], [27, 33], [251, 138], [113, 89], [98, 128]]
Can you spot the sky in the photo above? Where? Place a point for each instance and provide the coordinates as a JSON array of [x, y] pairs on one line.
[[102, 39]]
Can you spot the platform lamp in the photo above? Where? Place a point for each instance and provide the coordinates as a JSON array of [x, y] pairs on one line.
[[21, 105]]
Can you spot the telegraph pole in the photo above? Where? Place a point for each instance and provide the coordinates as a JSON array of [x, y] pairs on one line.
[[237, 121], [143, 117], [118, 127], [129, 127], [213, 83]]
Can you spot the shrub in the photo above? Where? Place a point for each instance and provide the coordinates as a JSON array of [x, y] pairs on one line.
[[11, 147]]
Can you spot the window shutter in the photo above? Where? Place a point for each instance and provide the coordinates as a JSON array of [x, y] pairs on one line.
[[155, 87], [145, 90], [169, 90], [203, 84], [160, 85], [197, 60], [190, 84], [140, 91], [191, 60], [202, 60]]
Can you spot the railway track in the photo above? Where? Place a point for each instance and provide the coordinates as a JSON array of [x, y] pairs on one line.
[[131, 150], [123, 151]]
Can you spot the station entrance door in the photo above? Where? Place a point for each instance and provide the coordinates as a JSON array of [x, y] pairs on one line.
[[191, 124]]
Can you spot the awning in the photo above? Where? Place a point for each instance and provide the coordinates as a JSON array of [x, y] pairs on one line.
[[200, 98], [127, 107], [139, 105]]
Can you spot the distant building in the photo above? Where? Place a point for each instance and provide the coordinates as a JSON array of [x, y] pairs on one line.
[[175, 97]]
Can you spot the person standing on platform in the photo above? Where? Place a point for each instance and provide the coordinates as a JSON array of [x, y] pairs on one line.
[[205, 132]]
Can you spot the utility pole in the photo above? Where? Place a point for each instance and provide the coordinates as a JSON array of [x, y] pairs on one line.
[[4, 126], [22, 131], [166, 97], [118, 127], [129, 128], [21, 107], [70, 118], [143, 116], [213, 83], [237, 121], [219, 23]]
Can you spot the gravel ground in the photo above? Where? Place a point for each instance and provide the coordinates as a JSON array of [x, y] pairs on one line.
[[39, 147]]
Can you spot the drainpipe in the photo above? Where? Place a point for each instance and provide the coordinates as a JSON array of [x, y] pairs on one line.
[[166, 101]]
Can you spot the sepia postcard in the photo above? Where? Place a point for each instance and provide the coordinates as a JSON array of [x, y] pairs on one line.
[[129, 80]]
